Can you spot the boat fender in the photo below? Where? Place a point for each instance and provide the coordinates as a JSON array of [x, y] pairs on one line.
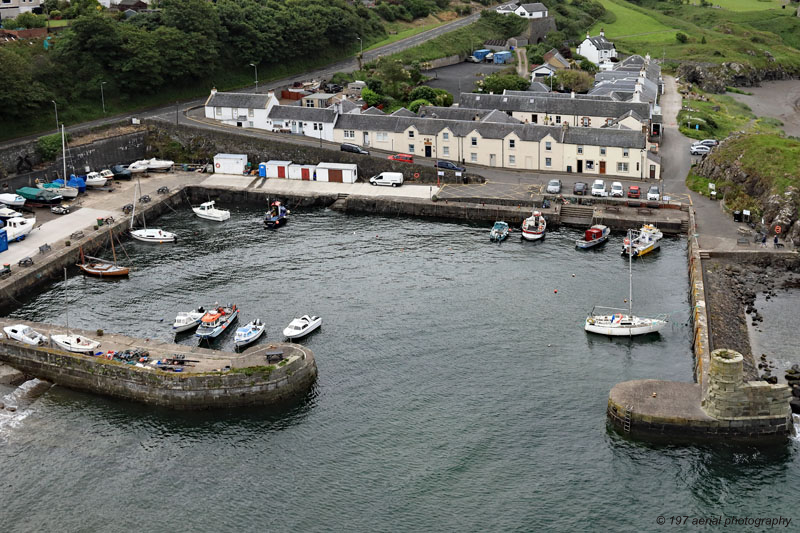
[[416, 175]]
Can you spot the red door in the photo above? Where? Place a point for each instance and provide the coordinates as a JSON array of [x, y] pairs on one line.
[[305, 174], [281, 172], [335, 175], [602, 167]]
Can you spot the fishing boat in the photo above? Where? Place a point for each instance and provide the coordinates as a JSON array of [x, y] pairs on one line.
[[534, 226], [209, 212], [94, 179], [643, 242], [187, 320], [594, 236], [277, 216], [216, 321], [100, 267], [499, 232], [59, 188], [153, 235], [249, 334], [25, 334], [18, 228], [7, 213], [300, 327], [12, 200], [138, 167], [107, 174], [159, 165], [39, 197], [622, 322], [70, 342]]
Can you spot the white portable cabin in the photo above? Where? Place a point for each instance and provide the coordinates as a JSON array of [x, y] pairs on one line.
[[230, 163], [302, 172], [337, 172], [277, 169]]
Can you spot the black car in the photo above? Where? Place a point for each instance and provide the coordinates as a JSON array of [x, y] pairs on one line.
[[449, 165], [121, 172], [353, 148], [580, 188]]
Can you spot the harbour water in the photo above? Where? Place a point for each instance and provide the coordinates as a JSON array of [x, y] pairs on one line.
[[457, 391]]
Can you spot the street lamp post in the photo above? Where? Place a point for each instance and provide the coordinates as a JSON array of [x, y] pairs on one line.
[[255, 67], [102, 96], [56, 107], [362, 46]]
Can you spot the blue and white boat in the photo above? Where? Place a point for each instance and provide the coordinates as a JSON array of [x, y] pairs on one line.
[[249, 334], [277, 216], [217, 320], [73, 182], [499, 232]]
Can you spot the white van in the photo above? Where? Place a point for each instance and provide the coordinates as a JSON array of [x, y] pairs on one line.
[[395, 179]]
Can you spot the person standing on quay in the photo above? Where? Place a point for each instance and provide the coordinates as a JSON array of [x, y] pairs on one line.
[[764, 241]]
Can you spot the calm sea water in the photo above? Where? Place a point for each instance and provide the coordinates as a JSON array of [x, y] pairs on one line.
[[457, 391]]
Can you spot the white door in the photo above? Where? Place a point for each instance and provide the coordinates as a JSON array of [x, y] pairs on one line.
[[366, 138], [492, 160]]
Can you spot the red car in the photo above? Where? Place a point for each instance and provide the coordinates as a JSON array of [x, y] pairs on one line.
[[405, 158], [634, 192]]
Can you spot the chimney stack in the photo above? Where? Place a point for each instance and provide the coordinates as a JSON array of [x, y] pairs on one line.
[[602, 32], [213, 90]]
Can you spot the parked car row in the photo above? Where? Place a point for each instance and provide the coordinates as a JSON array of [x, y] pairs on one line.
[[599, 188], [703, 147]]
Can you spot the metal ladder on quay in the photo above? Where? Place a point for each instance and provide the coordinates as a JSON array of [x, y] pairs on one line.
[[626, 426]]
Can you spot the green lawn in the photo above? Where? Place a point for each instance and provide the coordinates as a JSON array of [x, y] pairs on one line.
[[405, 33], [629, 22], [732, 116], [58, 23], [748, 5]]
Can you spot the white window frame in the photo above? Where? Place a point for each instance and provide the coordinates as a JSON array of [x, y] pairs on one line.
[[580, 150], [558, 119], [626, 152], [473, 141], [473, 157], [251, 113], [602, 150], [445, 136], [218, 110], [381, 136], [410, 148], [512, 143], [445, 151], [410, 134], [349, 134], [548, 162], [622, 167], [512, 160], [548, 146]]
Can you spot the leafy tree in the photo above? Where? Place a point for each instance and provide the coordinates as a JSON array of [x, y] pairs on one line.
[[375, 85], [497, 83], [573, 80], [588, 66], [21, 94], [49, 146], [443, 98], [370, 97], [29, 20], [681, 37], [423, 92], [416, 104]]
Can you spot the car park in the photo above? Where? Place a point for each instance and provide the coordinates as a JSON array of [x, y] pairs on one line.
[[653, 193], [599, 188], [554, 186], [617, 189], [699, 149], [449, 165], [405, 158], [634, 192], [580, 188], [353, 148]]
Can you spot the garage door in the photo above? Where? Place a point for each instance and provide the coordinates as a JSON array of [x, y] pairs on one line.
[[305, 174], [335, 175]]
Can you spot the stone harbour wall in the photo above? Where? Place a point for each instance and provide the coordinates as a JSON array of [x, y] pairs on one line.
[[701, 343]]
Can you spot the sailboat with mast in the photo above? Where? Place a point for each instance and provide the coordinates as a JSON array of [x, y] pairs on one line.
[[70, 342], [155, 235], [102, 268], [61, 187], [622, 322]]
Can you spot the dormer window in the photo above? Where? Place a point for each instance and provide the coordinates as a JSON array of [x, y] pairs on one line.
[[410, 134]]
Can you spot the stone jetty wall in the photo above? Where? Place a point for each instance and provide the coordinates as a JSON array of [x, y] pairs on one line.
[[253, 386], [701, 344]]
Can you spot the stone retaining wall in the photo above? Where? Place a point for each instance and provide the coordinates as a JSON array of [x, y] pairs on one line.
[[701, 343]]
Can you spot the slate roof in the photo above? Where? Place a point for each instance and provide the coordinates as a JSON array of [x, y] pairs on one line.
[[601, 43], [546, 103], [533, 8], [499, 117], [554, 54], [373, 111], [403, 112], [493, 130], [348, 106], [512, 6], [624, 89], [296, 112], [616, 122], [242, 100], [453, 113]]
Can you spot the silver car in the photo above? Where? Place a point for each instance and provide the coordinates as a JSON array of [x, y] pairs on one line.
[[554, 186]]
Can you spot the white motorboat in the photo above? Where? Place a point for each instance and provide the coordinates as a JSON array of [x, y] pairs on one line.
[[209, 212], [64, 190], [25, 334], [160, 165], [188, 320], [300, 327], [622, 322], [249, 334], [107, 174], [12, 200], [153, 235], [7, 212], [138, 166], [75, 343], [17, 228], [644, 241], [594, 236], [534, 226], [93, 179]]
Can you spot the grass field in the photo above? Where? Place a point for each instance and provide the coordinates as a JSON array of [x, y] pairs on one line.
[[748, 5], [629, 22], [405, 30], [58, 23]]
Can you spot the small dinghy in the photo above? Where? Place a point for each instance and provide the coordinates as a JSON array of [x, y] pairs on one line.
[[594, 236], [25, 334], [209, 212], [12, 200], [216, 321], [75, 343], [499, 232], [277, 216], [249, 334], [188, 320], [534, 226], [94, 179], [300, 327]]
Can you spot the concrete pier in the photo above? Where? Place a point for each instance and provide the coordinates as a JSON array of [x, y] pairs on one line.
[[217, 379]]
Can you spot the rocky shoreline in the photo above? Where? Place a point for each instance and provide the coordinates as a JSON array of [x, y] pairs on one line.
[[716, 78]]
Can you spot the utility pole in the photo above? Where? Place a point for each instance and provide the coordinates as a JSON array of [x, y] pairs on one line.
[[255, 67], [102, 96], [56, 106], [176, 113]]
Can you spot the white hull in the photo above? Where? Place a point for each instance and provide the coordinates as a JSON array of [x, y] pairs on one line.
[[532, 236], [159, 165], [209, 212], [12, 200], [534, 227], [138, 167], [624, 327], [186, 321], [25, 334], [248, 334], [75, 343], [154, 235], [66, 192], [95, 182], [18, 228], [300, 327]]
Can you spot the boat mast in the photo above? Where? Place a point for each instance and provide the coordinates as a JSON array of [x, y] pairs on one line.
[[66, 302], [630, 274], [133, 212], [113, 252], [144, 221], [64, 155]]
